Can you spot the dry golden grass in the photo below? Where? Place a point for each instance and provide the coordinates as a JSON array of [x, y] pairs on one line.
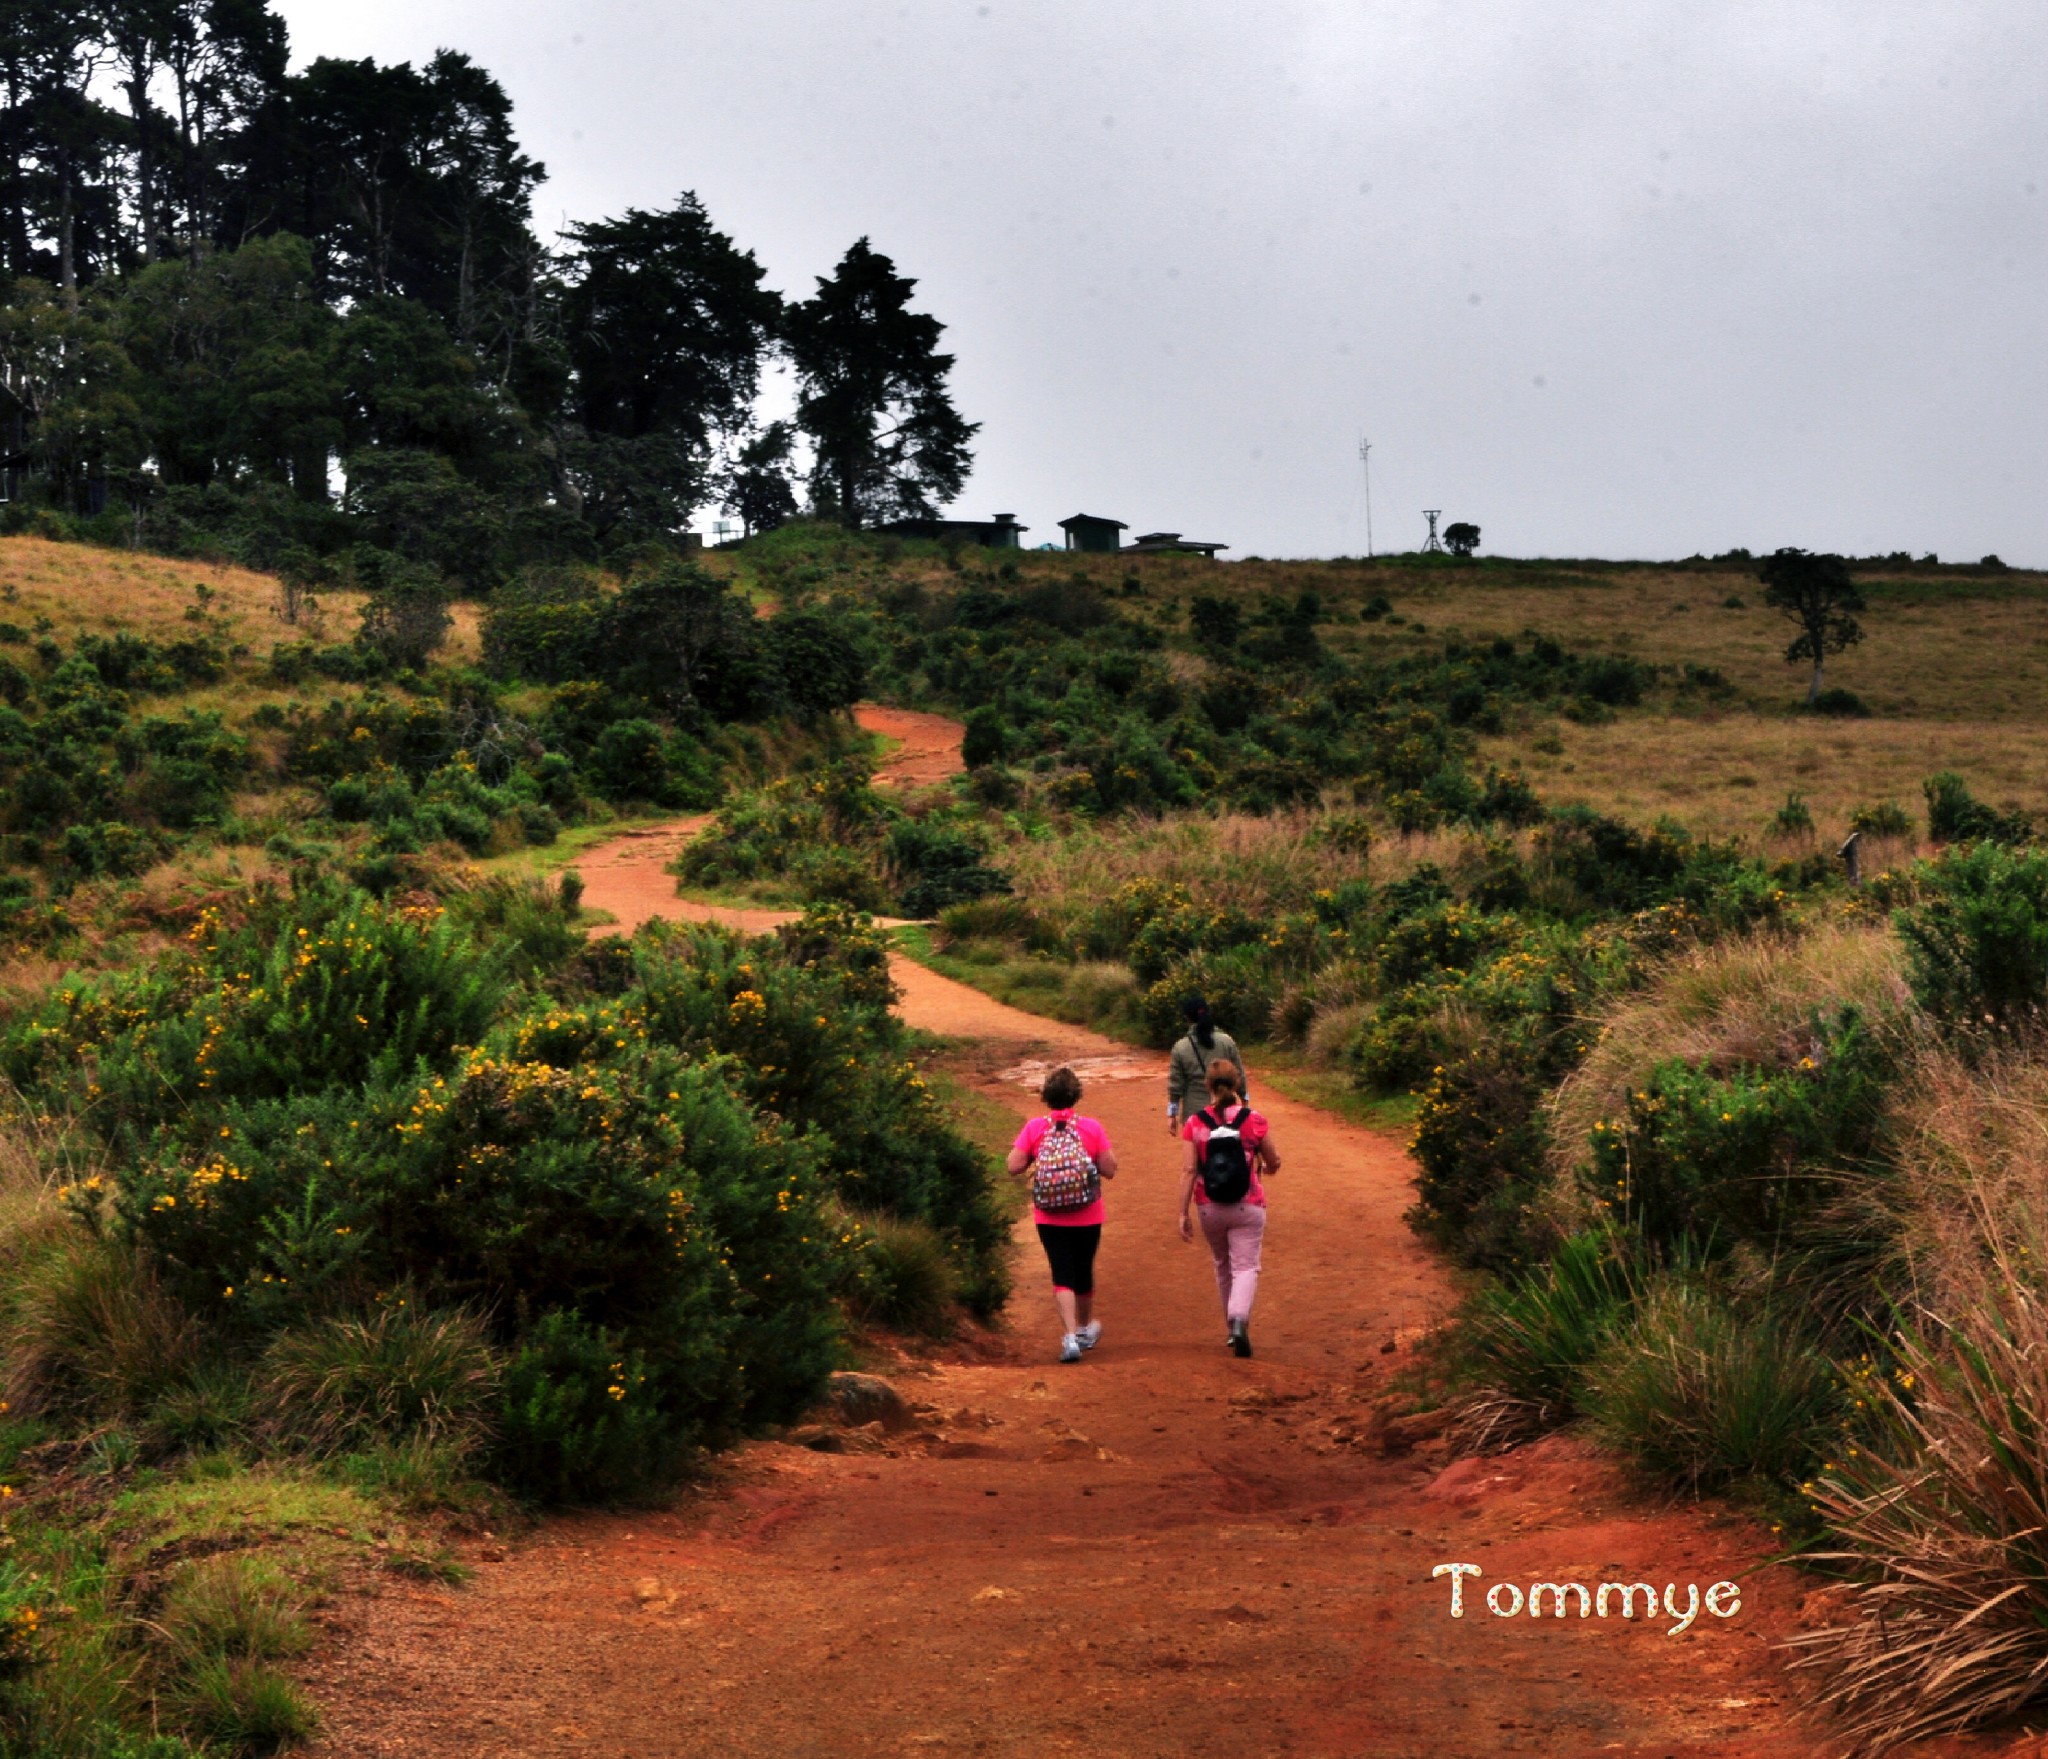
[[82, 589], [1726, 775], [1231, 861], [1956, 649]]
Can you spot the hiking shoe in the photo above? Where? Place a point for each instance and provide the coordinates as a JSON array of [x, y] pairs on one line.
[[1089, 1335], [1240, 1338], [1070, 1348]]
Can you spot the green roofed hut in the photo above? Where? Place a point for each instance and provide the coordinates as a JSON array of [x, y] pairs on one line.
[[1171, 543], [1089, 531]]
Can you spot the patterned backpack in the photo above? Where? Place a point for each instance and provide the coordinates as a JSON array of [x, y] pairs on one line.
[[1063, 1176]]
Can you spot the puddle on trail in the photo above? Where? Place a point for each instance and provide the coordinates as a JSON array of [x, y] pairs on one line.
[[1033, 1070]]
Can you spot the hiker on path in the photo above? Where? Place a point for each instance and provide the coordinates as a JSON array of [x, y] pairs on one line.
[[1068, 1157], [1226, 1147], [1187, 1070]]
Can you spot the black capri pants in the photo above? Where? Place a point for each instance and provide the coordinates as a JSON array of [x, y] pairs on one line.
[[1071, 1253]]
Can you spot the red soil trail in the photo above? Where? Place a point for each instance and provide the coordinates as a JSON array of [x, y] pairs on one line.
[[1160, 1551]]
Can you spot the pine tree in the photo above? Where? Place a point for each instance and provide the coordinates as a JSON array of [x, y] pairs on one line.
[[889, 443]]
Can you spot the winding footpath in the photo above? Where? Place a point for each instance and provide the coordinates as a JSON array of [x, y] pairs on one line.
[[1161, 1551]]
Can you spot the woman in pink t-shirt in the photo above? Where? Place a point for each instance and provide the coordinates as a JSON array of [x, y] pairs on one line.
[[1235, 1231], [1066, 1202]]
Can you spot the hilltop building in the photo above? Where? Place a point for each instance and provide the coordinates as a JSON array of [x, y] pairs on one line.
[[1000, 533], [1089, 531], [1171, 543]]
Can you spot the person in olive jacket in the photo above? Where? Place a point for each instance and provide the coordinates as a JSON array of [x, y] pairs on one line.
[[1187, 1070]]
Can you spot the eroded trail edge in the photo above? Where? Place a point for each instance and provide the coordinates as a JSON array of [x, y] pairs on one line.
[[1159, 1551]]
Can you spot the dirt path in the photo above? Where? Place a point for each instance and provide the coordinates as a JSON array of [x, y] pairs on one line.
[[1159, 1551]]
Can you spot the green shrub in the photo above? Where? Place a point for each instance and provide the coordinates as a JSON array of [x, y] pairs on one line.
[[1886, 819], [986, 739], [327, 989], [1239, 983], [806, 1020], [1743, 1156], [1449, 938], [584, 1417], [1977, 939], [635, 1191], [936, 866], [1704, 1393], [1794, 818], [1405, 1038], [1842, 704], [832, 874], [1478, 1146], [1955, 815]]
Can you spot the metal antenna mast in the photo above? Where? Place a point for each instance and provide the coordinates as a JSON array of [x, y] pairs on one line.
[[1434, 546], [1365, 458]]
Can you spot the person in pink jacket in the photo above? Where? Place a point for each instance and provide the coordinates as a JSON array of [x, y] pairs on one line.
[[1227, 1153], [1068, 1158]]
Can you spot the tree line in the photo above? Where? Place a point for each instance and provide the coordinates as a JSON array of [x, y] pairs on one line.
[[298, 313]]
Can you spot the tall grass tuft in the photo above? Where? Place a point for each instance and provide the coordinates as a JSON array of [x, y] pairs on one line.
[[87, 1329], [1704, 1392], [1524, 1345], [397, 1374], [245, 1705], [234, 1606], [906, 1279], [1943, 1512]]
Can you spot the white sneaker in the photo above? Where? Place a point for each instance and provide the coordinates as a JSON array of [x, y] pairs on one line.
[[1089, 1335], [1070, 1348]]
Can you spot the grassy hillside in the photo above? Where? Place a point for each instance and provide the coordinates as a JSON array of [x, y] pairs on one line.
[[1953, 670]]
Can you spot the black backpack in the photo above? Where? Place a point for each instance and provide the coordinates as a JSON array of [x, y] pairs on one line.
[[1226, 1164]]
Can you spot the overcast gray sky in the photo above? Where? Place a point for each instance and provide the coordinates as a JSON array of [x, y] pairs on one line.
[[1612, 277]]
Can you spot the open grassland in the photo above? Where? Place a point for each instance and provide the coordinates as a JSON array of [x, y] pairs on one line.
[[1954, 669], [84, 590], [1727, 774]]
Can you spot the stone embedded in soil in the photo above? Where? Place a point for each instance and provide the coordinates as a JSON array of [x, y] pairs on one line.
[[857, 1400]]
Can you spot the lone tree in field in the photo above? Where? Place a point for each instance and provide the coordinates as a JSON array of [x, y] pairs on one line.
[[889, 443], [1462, 538], [1816, 593]]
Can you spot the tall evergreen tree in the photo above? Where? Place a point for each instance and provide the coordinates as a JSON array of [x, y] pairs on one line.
[[407, 181], [889, 443], [235, 366], [666, 323]]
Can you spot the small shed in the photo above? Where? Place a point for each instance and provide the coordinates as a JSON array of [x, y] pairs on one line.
[[1090, 531], [1171, 543], [1000, 533]]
